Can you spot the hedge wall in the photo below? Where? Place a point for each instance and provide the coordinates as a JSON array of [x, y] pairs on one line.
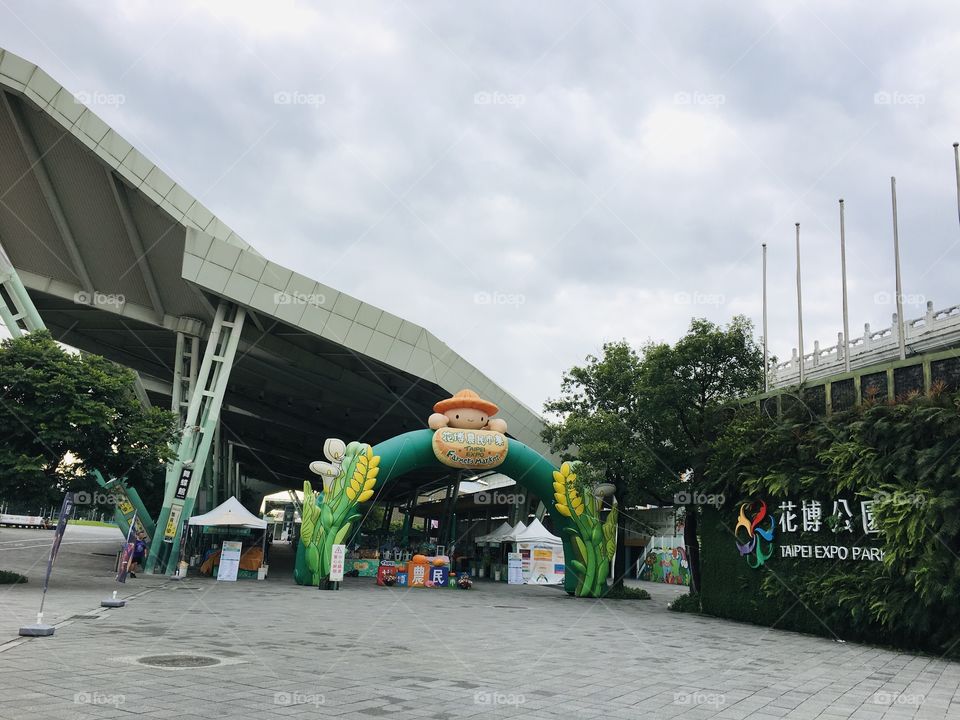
[[779, 592], [902, 457]]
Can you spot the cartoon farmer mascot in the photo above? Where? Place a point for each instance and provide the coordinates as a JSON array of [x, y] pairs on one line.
[[466, 411]]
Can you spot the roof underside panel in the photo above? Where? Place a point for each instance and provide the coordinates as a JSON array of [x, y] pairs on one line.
[[83, 190], [25, 222], [162, 240]]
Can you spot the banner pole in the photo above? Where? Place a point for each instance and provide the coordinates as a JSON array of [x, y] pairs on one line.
[[40, 628]]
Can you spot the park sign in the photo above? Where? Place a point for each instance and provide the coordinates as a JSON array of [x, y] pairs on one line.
[[807, 529]]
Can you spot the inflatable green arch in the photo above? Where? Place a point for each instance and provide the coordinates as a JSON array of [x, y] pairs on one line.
[[362, 470]]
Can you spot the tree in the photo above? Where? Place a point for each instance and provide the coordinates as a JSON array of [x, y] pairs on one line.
[[686, 391], [62, 415], [601, 422], [644, 419]]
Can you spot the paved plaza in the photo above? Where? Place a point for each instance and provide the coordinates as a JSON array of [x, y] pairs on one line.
[[366, 652]]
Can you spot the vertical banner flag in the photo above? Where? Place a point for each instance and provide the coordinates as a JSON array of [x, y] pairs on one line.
[[65, 511], [127, 552], [173, 522]]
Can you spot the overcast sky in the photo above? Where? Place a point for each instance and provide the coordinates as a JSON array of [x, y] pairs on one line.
[[529, 180]]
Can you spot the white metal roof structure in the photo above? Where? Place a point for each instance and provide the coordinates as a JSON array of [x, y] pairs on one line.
[[121, 261]]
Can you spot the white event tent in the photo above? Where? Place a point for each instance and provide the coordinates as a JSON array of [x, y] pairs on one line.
[[542, 552], [494, 537], [229, 513]]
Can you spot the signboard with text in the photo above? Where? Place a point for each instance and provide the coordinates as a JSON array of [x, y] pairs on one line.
[[469, 448], [338, 556], [837, 529], [229, 560]]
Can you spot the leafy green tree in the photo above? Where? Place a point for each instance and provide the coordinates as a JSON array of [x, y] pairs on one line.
[[63, 415], [686, 391], [601, 423], [645, 419]]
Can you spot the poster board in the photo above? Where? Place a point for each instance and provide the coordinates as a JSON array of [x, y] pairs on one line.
[[514, 569], [543, 563], [229, 560]]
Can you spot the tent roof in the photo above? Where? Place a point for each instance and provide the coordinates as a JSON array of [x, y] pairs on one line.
[[231, 513], [518, 529], [495, 535], [536, 532]]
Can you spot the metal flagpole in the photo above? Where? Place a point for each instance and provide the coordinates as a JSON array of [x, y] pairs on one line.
[[799, 307], [766, 365], [896, 259], [956, 164], [843, 273]]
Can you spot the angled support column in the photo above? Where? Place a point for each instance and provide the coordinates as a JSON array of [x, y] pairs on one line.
[[185, 370], [16, 308], [185, 474]]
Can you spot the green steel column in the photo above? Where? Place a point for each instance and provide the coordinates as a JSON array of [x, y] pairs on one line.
[[185, 474], [17, 310]]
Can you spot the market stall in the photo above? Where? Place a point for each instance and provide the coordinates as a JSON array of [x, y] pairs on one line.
[[541, 555], [227, 540]]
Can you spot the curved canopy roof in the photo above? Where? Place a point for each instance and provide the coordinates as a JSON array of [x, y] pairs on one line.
[[118, 257]]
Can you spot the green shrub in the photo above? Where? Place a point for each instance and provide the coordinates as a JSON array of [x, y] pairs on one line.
[[688, 603], [7, 577], [622, 592]]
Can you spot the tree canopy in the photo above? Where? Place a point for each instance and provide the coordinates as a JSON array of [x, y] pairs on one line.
[[643, 418], [63, 415]]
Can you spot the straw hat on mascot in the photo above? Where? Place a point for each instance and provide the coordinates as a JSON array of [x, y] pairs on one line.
[[466, 411]]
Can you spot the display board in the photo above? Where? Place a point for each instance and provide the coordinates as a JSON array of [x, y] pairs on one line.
[[515, 569], [229, 560], [542, 563]]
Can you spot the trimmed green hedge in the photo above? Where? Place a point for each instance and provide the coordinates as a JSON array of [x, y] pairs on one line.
[[905, 457]]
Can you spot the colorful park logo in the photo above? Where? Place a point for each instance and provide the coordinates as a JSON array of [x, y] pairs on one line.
[[753, 539]]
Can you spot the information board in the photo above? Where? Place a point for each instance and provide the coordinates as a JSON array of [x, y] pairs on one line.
[[229, 560], [514, 569]]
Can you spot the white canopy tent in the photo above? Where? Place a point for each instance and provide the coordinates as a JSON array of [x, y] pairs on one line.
[[514, 532], [495, 535], [537, 533], [229, 513], [543, 562]]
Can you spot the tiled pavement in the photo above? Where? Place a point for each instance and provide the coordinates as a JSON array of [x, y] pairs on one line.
[[494, 651]]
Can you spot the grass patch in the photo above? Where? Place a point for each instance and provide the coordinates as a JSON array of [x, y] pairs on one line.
[[622, 592], [689, 603], [92, 523], [8, 577]]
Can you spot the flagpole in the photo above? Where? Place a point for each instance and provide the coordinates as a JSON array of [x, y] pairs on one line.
[[956, 164], [799, 307], [843, 273], [896, 259], [766, 365]]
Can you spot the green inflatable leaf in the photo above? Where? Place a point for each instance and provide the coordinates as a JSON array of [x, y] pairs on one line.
[[610, 532]]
